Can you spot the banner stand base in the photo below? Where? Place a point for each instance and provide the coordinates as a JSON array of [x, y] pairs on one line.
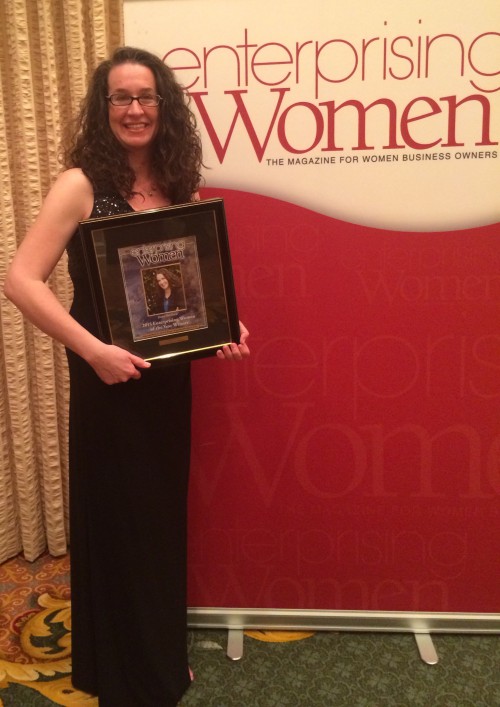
[[422, 625]]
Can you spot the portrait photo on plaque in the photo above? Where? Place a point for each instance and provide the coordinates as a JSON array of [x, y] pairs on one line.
[[162, 280]]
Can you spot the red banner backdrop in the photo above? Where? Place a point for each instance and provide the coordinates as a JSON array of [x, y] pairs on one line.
[[353, 463]]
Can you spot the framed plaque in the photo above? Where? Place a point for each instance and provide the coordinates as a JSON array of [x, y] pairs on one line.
[[162, 280]]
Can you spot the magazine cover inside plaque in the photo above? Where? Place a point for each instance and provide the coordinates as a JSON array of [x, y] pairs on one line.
[[162, 280]]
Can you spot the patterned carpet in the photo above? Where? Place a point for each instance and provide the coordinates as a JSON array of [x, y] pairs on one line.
[[284, 669], [347, 670], [35, 634]]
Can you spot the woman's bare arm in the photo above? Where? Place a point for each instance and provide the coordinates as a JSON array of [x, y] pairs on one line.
[[69, 201]]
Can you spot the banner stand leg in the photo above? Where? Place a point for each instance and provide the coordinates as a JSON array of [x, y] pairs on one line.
[[235, 643], [426, 648]]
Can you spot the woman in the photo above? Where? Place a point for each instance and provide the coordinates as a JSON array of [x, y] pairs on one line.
[[170, 297], [136, 147]]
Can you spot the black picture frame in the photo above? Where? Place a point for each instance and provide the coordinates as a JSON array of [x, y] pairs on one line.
[[189, 244]]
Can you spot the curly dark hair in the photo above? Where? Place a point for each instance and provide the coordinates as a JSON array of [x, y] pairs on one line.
[[176, 153]]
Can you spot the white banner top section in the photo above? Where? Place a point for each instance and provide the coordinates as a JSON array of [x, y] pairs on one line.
[[382, 114]]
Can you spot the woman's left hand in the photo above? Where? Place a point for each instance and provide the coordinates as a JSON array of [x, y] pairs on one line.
[[236, 352]]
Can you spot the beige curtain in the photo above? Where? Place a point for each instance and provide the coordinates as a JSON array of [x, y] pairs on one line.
[[47, 50]]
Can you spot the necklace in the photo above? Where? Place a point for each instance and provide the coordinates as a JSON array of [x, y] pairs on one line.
[[145, 190]]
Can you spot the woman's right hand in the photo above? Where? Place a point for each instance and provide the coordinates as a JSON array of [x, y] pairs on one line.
[[115, 365]]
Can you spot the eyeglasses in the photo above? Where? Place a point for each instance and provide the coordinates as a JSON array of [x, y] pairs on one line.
[[121, 99]]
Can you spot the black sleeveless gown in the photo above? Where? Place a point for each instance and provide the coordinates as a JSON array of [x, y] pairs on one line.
[[129, 466]]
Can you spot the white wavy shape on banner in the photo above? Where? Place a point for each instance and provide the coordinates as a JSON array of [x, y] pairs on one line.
[[451, 198]]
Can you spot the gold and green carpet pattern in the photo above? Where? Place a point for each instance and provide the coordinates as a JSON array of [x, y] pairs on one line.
[[35, 634]]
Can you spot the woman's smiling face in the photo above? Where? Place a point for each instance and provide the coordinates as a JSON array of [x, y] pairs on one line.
[[162, 281], [134, 126]]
